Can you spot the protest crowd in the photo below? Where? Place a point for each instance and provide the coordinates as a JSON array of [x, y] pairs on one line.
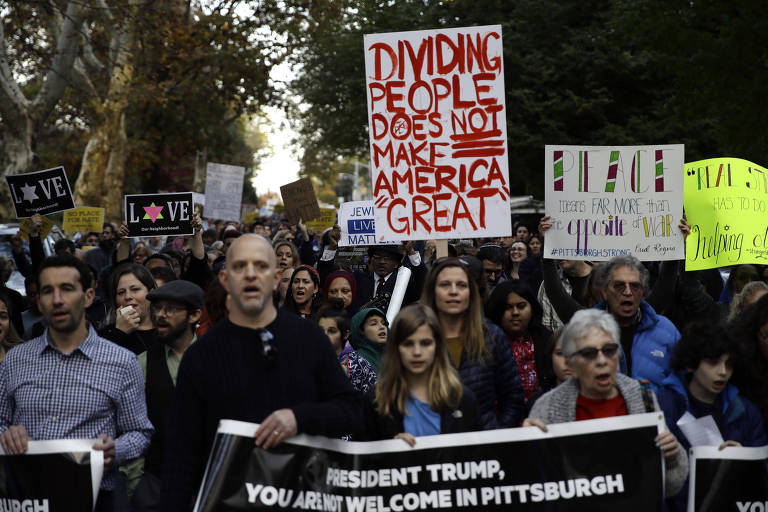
[[148, 342]]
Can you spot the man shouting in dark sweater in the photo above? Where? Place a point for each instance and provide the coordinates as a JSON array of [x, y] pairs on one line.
[[259, 365]]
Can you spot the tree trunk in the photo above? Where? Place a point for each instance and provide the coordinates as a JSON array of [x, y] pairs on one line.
[[19, 156], [102, 173], [115, 175]]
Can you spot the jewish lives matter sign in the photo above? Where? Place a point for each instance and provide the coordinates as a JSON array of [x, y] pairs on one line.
[[607, 464], [735, 479], [61, 475], [438, 133], [358, 225], [608, 201]]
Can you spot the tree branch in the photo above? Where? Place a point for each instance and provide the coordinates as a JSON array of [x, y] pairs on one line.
[[57, 78], [11, 96]]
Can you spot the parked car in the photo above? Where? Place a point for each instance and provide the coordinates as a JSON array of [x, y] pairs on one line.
[[7, 231]]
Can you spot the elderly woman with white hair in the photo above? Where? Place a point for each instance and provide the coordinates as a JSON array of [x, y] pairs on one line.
[[590, 344]]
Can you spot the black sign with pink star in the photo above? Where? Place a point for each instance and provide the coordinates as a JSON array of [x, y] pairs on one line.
[[159, 214], [40, 192]]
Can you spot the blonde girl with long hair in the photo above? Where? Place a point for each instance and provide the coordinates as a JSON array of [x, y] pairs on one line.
[[418, 391]]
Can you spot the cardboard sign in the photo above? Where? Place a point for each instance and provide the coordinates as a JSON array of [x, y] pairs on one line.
[[471, 471], [84, 218], [300, 200], [159, 214], [40, 192], [358, 224], [438, 135], [324, 221], [223, 191], [726, 203], [26, 226], [608, 201]]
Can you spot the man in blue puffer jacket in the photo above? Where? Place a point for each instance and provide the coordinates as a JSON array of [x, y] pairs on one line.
[[647, 338], [703, 363]]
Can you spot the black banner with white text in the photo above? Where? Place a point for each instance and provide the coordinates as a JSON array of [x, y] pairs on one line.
[[610, 464], [735, 479], [52, 476]]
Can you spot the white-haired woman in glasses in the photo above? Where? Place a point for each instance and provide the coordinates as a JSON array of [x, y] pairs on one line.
[[590, 344]]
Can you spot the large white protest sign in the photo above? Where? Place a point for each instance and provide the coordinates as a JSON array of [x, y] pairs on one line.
[[357, 223], [438, 136], [608, 201], [223, 191]]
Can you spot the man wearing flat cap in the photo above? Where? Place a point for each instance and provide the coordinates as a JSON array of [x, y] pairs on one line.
[[175, 307]]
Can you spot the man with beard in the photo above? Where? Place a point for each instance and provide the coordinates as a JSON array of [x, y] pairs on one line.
[[176, 307], [71, 384], [101, 256], [259, 365]]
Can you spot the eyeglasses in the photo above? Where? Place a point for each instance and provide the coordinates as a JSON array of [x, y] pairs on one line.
[[590, 353], [169, 309], [620, 286]]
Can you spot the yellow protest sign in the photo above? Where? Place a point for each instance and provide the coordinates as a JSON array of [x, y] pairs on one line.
[[324, 221], [84, 218], [250, 217], [726, 203], [26, 225]]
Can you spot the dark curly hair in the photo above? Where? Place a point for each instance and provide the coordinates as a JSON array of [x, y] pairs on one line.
[[702, 341]]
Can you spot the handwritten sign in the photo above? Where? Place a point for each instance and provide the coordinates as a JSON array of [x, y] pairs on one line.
[[300, 200], [358, 224], [438, 135], [84, 218], [40, 192], [608, 201], [159, 214], [726, 203], [324, 221], [223, 191], [26, 226]]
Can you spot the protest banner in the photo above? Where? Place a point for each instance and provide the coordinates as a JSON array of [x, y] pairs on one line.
[[84, 218], [250, 217], [607, 464], [223, 191], [52, 476], [438, 133], [300, 200], [726, 203], [735, 478], [608, 201], [358, 224], [324, 221], [26, 226], [159, 214], [40, 192]]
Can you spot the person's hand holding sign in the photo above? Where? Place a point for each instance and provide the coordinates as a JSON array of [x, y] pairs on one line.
[[334, 235]]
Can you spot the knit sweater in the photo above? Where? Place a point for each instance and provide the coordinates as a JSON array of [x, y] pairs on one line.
[[559, 406]]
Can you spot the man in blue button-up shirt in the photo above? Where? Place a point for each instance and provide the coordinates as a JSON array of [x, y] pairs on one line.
[[70, 383]]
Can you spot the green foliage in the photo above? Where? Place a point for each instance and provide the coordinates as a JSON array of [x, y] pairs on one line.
[[598, 72]]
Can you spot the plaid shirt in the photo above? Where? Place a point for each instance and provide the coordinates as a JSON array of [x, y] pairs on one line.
[[96, 389]]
